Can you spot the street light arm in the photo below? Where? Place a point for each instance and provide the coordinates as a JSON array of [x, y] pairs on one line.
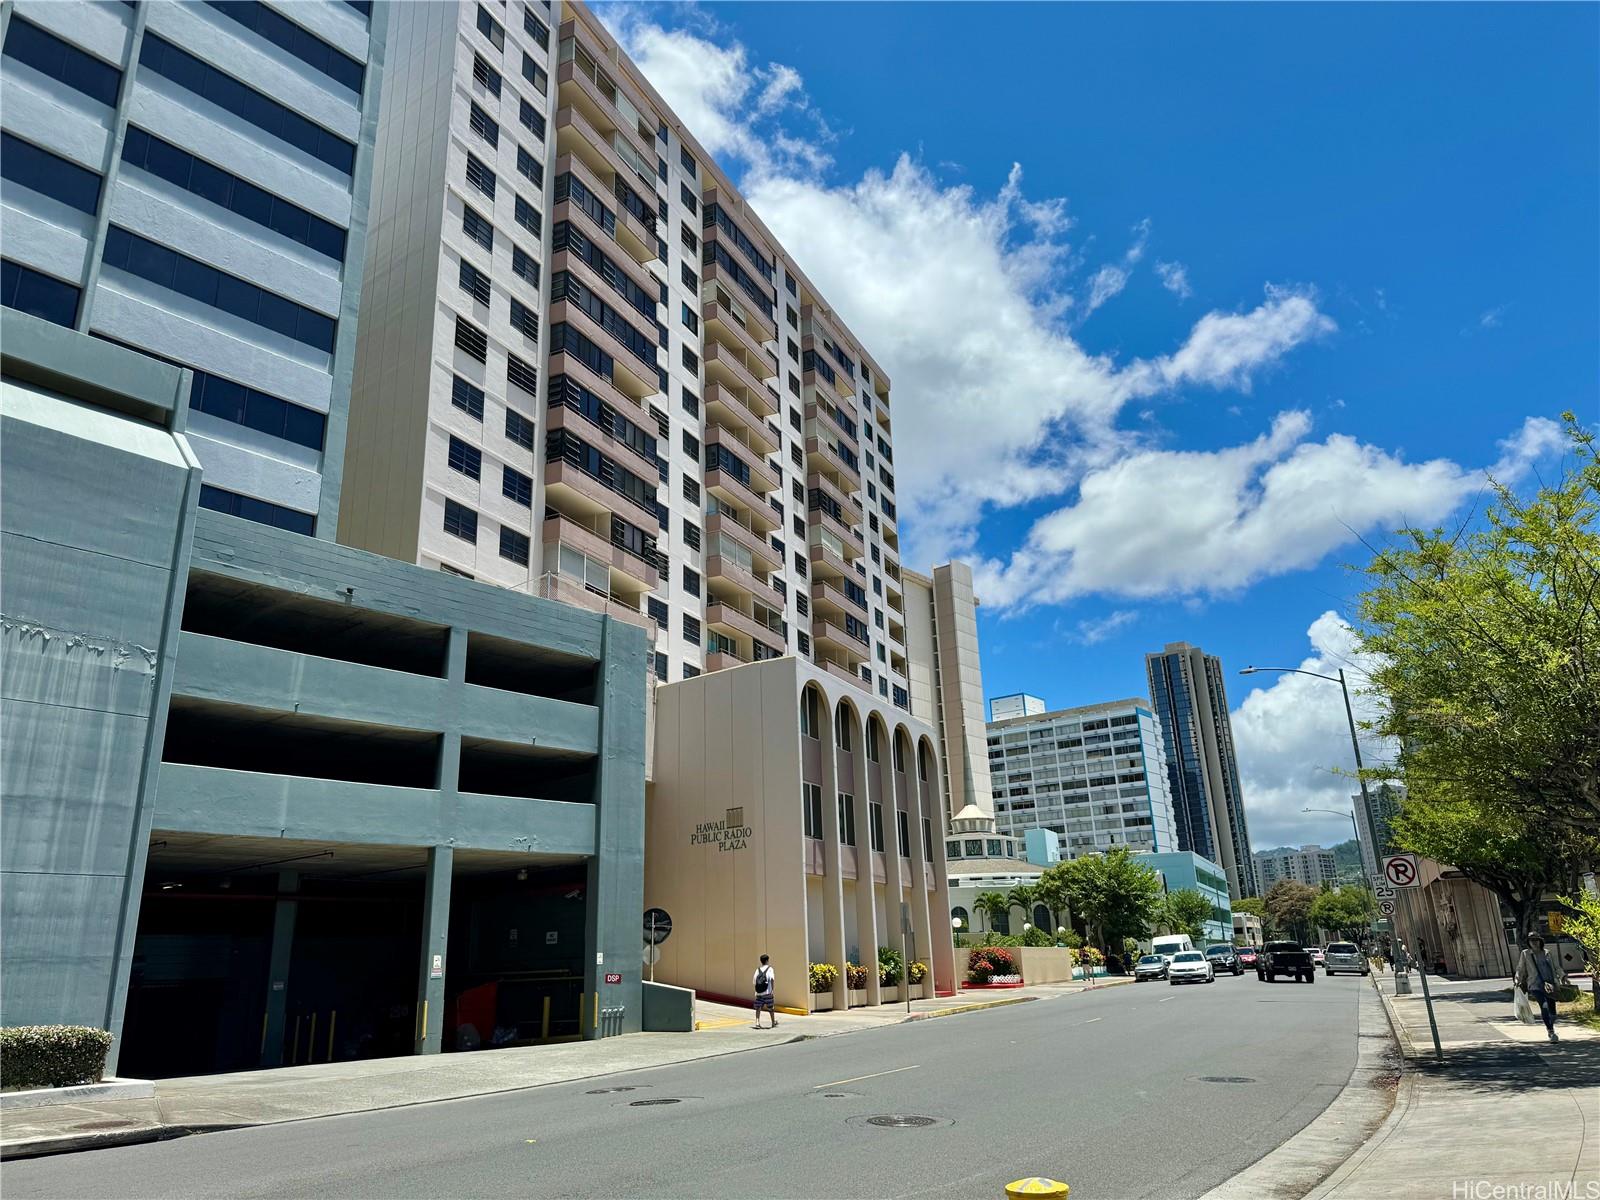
[[1290, 671]]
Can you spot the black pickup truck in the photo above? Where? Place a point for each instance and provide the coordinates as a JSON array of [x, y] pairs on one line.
[[1285, 958]]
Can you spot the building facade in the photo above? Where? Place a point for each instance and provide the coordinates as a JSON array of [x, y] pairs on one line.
[[793, 815], [1095, 775], [1184, 870], [1375, 814], [591, 373], [1310, 865], [190, 180], [1191, 698], [1018, 705]]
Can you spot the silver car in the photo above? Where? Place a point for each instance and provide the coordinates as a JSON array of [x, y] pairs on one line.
[[1190, 966], [1151, 966], [1345, 957]]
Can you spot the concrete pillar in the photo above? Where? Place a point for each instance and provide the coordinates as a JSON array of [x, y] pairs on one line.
[[278, 971], [942, 963], [922, 924], [866, 892], [435, 941], [832, 855]]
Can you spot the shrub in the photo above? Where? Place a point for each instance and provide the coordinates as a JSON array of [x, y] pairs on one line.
[[989, 961], [918, 972], [823, 977], [1038, 937], [35, 1056], [1093, 956], [891, 966], [855, 975]]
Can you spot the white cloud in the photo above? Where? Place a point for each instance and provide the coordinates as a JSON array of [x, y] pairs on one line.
[[1112, 278], [1163, 522], [1293, 742], [1094, 631], [1491, 318], [1174, 277]]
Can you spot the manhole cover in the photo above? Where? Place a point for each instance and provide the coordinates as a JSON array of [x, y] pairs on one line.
[[1224, 1079], [653, 1100], [899, 1122], [609, 1090]]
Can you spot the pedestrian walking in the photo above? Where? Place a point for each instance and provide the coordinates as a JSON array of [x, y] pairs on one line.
[[765, 982], [1536, 977]]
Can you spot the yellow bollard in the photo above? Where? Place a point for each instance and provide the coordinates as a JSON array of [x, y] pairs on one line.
[[1037, 1186]]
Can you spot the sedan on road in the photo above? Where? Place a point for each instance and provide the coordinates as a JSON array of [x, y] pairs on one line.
[[1318, 955], [1190, 966], [1151, 966], [1247, 956], [1345, 956], [1223, 958]]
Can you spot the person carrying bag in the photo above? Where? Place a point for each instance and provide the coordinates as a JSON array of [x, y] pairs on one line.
[[1535, 982]]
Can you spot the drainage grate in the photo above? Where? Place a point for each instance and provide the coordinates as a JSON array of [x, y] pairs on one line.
[[1224, 1079], [900, 1122], [609, 1090], [653, 1100]]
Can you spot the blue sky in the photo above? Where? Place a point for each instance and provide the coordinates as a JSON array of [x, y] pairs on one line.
[[1178, 300]]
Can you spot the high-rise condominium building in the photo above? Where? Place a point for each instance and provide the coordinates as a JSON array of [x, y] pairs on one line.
[[1096, 775], [1310, 865], [1375, 814], [1019, 704], [189, 180], [589, 371], [1191, 699]]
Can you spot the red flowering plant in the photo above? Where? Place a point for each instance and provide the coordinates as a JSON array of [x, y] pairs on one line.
[[989, 961]]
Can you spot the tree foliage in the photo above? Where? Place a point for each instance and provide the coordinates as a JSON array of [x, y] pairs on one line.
[[1184, 911], [1348, 911], [1116, 895], [994, 906], [1488, 644], [1582, 924], [1251, 906], [1288, 907]]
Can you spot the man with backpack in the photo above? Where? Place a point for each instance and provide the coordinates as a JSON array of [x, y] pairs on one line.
[[765, 981]]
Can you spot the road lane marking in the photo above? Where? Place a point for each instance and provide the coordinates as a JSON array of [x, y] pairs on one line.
[[859, 1078], [1091, 1020], [1163, 1001]]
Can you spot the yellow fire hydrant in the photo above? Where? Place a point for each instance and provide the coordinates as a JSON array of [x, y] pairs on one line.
[[1037, 1186]]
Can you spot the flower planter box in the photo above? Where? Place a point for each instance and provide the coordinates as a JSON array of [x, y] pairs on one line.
[[916, 991], [858, 997], [821, 1001], [889, 993], [1016, 983]]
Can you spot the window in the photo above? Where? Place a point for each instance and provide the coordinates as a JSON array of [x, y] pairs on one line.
[[259, 511], [227, 293], [39, 170], [516, 486], [686, 194], [464, 458], [532, 119], [491, 29], [658, 611], [535, 74], [514, 546], [467, 397], [927, 837], [875, 825], [49, 55], [799, 564], [788, 282], [811, 804], [536, 29], [519, 429], [847, 818], [793, 384], [524, 266], [530, 168], [691, 535], [788, 311], [691, 243], [476, 228], [690, 320], [471, 340], [524, 319], [35, 293], [691, 403], [691, 581], [690, 279], [691, 446], [483, 125], [256, 410], [803, 643], [691, 490], [687, 159], [690, 670], [795, 455], [841, 727], [691, 360], [480, 176], [486, 75], [522, 374], [661, 667], [460, 521], [904, 830], [691, 630], [799, 527], [166, 161], [528, 217], [793, 348], [474, 282], [801, 604]]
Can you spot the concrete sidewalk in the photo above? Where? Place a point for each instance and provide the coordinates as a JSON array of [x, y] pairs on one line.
[[211, 1102], [1505, 1109]]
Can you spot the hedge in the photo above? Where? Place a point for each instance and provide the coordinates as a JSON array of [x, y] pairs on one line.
[[40, 1056]]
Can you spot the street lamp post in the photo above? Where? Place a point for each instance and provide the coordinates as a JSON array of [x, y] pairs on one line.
[[1355, 745]]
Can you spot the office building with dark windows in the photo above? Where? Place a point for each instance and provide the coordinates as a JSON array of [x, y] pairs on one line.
[[190, 180], [1191, 701]]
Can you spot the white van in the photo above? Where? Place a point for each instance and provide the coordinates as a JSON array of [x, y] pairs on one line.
[[1170, 944]]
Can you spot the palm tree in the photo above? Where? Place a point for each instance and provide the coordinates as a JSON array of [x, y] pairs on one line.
[[993, 905], [1022, 896]]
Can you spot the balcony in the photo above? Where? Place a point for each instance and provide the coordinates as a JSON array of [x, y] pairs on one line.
[[631, 576], [727, 525], [727, 408], [824, 459], [714, 272], [722, 659], [725, 577], [724, 323], [728, 367], [731, 621], [844, 672], [825, 597], [606, 389], [828, 486], [763, 479], [598, 436], [581, 495], [840, 420], [577, 89], [570, 590], [740, 311], [729, 488], [834, 637], [576, 137], [630, 375], [826, 564]]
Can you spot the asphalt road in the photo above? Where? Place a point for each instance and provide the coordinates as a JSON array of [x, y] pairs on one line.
[[1104, 1090]]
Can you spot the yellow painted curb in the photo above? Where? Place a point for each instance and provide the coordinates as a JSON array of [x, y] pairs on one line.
[[724, 1023], [794, 1012], [966, 1008]]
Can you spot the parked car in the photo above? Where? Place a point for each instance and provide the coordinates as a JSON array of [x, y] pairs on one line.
[[1223, 958], [1346, 956], [1318, 955], [1190, 966], [1285, 958], [1151, 966], [1247, 956]]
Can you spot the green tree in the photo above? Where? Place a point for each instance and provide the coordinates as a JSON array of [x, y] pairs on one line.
[[1022, 896], [1515, 855], [1186, 911], [1252, 905], [1348, 911], [1488, 649], [1288, 906], [1113, 893], [1582, 924], [995, 906]]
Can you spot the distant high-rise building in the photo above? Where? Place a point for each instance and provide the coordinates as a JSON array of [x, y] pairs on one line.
[[1311, 865], [1020, 704], [1375, 816], [1186, 686]]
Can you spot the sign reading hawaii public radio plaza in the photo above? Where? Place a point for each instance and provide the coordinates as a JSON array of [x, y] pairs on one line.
[[730, 833]]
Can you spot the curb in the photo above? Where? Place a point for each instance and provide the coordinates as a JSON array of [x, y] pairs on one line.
[[104, 1140], [1402, 1035], [977, 1006]]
